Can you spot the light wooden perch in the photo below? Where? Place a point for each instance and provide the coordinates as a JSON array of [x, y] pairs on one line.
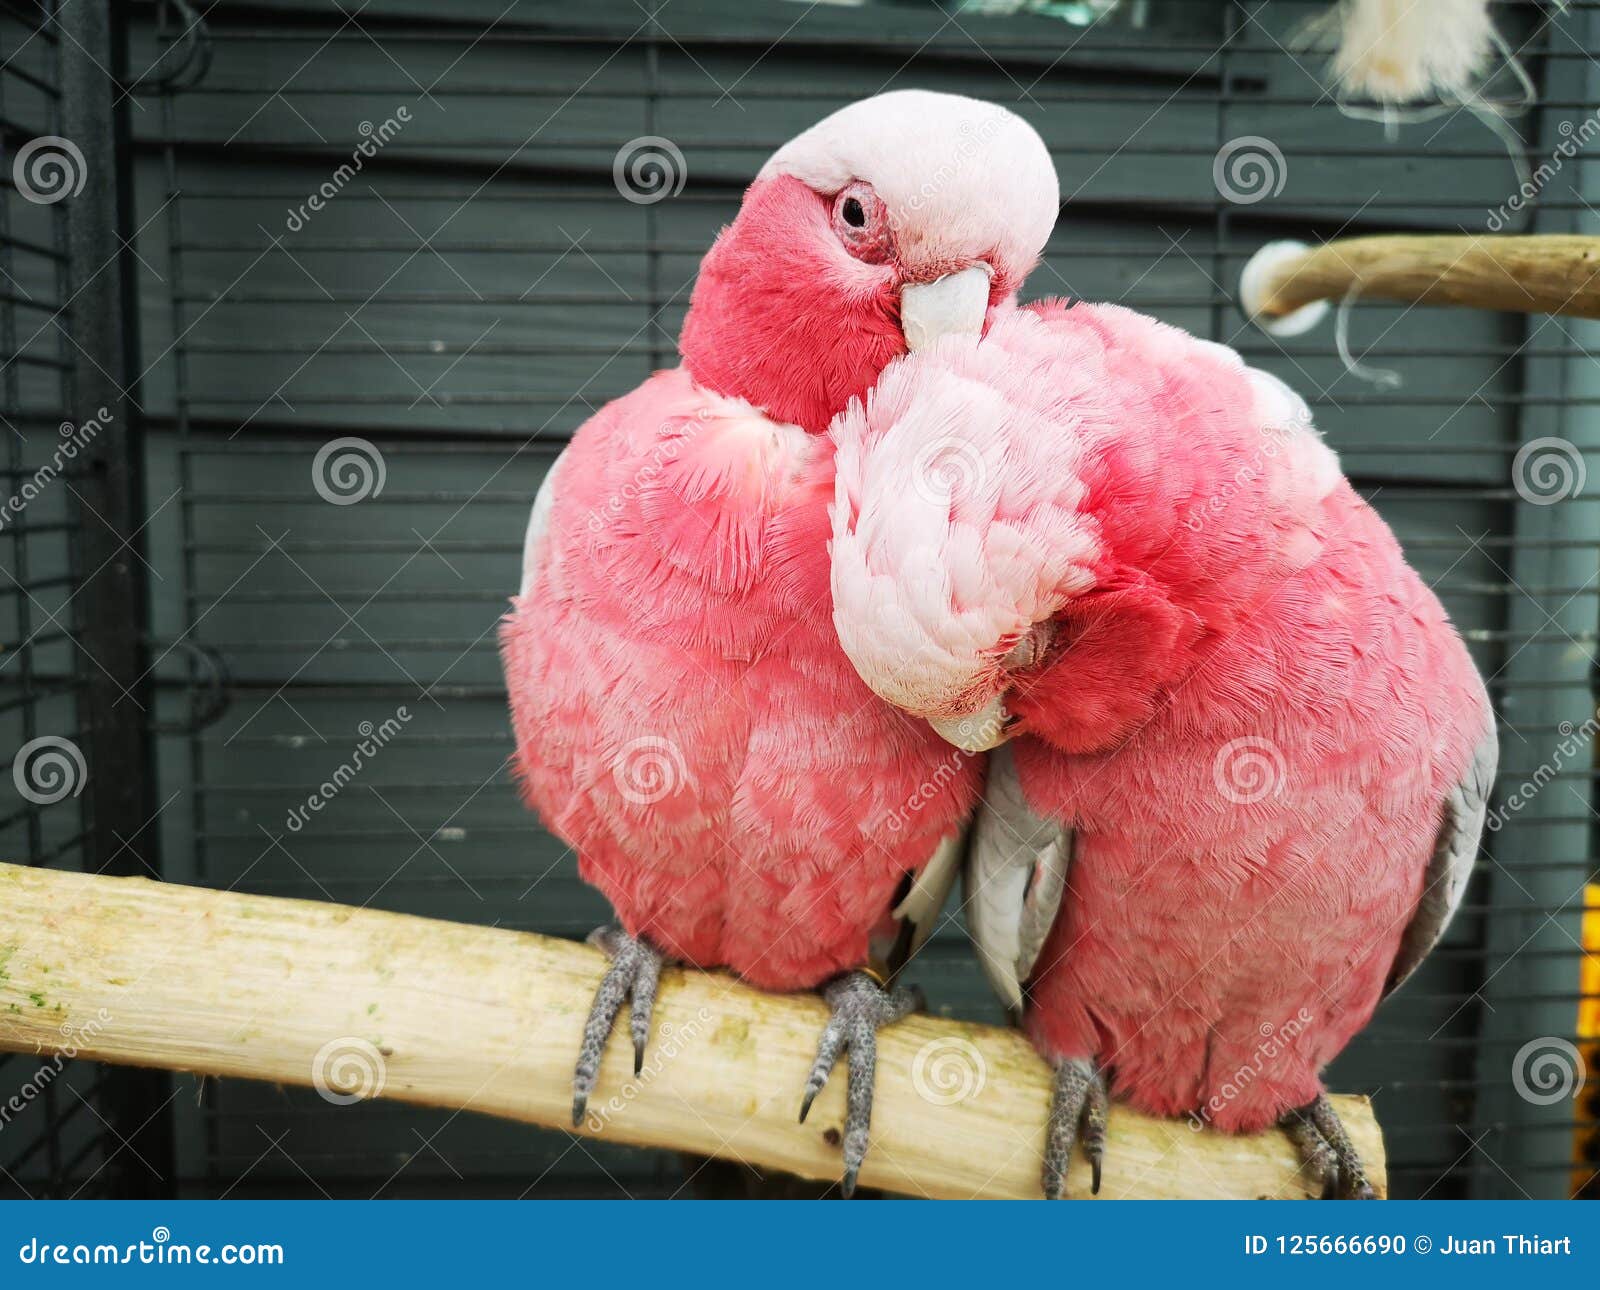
[[1285, 286], [361, 1003]]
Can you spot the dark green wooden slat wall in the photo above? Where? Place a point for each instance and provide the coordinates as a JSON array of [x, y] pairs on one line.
[[470, 359]]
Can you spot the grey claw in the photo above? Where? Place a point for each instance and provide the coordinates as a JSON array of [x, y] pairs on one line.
[[1079, 1102], [1326, 1150], [633, 976], [1351, 1182], [857, 1006]]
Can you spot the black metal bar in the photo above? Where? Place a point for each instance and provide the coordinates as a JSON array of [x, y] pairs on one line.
[[109, 609]]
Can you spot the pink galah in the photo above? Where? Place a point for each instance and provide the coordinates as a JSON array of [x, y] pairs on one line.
[[685, 718], [1248, 753]]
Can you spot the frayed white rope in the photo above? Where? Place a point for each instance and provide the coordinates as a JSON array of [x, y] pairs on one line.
[[1380, 378]]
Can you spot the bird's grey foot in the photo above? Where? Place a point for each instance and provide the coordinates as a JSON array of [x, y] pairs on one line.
[[633, 975], [1077, 1113], [1326, 1151], [858, 1006]]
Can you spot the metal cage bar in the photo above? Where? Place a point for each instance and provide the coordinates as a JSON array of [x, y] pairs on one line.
[[71, 675]]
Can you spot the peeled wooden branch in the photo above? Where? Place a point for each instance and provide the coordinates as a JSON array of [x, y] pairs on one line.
[[1285, 285], [362, 1003]]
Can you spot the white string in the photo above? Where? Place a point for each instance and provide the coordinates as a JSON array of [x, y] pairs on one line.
[[1380, 378], [1493, 113]]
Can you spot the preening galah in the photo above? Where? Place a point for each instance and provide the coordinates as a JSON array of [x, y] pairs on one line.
[[1247, 755], [685, 718]]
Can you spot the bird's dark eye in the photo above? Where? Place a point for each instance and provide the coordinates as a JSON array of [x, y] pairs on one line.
[[861, 223]]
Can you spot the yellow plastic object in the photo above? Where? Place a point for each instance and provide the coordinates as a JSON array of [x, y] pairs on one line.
[[1586, 1136]]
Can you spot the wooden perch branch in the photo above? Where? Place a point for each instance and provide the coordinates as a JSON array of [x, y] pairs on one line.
[[360, 1002], [1552, 274]]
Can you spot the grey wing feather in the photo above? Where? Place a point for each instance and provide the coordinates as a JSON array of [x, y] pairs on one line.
[[1450, 866], [1016, 877]]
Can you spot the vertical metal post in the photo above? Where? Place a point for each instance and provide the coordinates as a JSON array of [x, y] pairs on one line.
[[1543, 852], [109, 609]]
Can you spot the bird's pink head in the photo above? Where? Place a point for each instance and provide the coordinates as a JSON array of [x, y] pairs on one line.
[[896, 220]]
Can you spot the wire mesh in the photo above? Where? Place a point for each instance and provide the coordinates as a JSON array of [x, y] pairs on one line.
[[409, 242], [54, 1136]]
